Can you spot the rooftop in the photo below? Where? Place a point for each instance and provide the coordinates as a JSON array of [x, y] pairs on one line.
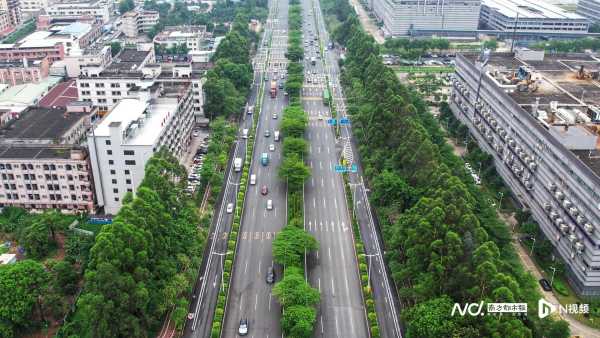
[[145, 120], [562, 93], [27, 93], [41, 123], [24, 152], [61, 95], [527, 9], [132, 55]]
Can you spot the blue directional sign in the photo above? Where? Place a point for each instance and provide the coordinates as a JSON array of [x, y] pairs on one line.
[[353, 168], [331, 122], [344, 121], [341, 168]]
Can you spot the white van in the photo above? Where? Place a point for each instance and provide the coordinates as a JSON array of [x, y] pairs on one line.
[[269, 204], [245, 133], [253, 179], [276, 135]]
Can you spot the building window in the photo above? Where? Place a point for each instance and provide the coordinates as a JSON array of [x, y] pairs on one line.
[[107, 142], [68, 167], [127, 172], [116, 93], [109, 152], [71, 187], [113, 172], [116, 199], [128, 152], [114, 181], [129, 162], [128, 181], [111, 162], [99, 85]]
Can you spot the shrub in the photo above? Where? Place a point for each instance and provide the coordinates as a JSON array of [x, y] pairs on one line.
[[370, 305], [372, 317], [228, 264], [366, 290], [364, 278], [221, 301], [560, 288], [363, 267], [359, 247], [375, 331], [216, 330]]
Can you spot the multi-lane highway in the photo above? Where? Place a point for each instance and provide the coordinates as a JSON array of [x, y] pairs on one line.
[[207, 287], [333, 268], [384, 292], [250, 296]]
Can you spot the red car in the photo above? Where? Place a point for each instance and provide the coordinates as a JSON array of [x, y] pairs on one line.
[[264, 190]]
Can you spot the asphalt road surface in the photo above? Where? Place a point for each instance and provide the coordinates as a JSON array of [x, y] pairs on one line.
[[385, 295], [250, 296], [207, 286], [333, 268]]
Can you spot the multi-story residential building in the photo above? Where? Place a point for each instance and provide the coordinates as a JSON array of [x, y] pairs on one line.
[[193, 37], [54, 43], [526, 16], [31, 8], [589, 9], [96, 8], [13, 8], [137, 22], [5, 26], [399, 17], [159, 117], [537, 116], [41, 164], [24, 71], [130, 70], [71, 65]]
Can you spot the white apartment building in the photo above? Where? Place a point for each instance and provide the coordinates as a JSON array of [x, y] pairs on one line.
[[29, 8], [527, 16], [71, 65], [96, 8], [136, 22], [192, 37], [130, 71], [160, 117], [401, 16]]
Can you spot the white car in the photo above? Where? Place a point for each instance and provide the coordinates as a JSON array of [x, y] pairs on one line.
[[274, 116], [229, 208], [320, 117], [272, 147]]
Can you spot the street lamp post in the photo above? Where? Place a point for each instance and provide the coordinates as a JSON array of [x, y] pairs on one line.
[[532, 246], [222, 268], [500, 201], [369, 270], [553, 272]]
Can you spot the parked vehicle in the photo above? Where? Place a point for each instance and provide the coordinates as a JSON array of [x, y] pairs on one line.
[[270, 275], [545, 285]]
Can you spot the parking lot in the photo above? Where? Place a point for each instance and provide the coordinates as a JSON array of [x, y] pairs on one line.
[[194, 158]]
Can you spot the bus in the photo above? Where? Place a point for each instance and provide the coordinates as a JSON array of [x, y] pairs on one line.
[[326, 97]]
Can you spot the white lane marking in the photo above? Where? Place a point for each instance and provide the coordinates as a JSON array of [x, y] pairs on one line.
[[333, 291], [321, 225], [311, 164], [314, 203], [320, 165], [312, 181], [270, 296], [259, 264], [241, 302], [256, 302], [329, 252], [322, 329], [246, 268], [275, 210], [324, 204], [328, 151], [335, 202], [317, 255], [333, 183], [215, 281], [322, 182]]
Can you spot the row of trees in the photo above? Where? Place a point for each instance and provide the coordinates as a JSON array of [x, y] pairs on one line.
[[414, 48], [228, 82], [145, 262], [293, 292], [570, 46], [443, 241]]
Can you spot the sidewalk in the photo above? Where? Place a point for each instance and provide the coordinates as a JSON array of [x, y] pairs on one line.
[[577, 328], [366, 22]]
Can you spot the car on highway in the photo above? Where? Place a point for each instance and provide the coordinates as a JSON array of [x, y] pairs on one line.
[[545, 285], [269, 204], [229, 208], [264, 190], [267, 133], [271, 147], [243, 329], [274, 116], [270, 275], [320, 117]]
